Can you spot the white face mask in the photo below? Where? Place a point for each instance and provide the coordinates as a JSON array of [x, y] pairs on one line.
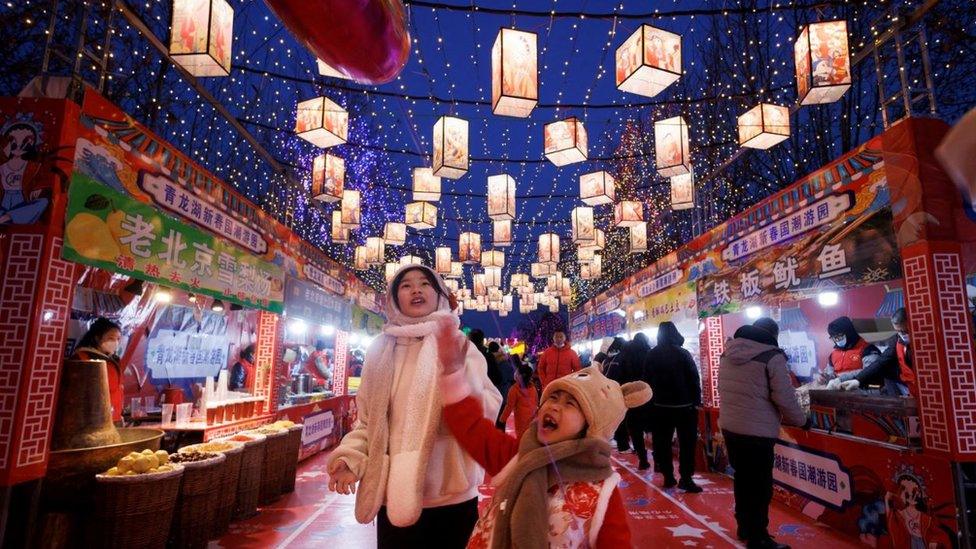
[[840, 343]]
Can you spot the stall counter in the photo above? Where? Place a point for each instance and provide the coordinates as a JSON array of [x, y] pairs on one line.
[[325, 421]]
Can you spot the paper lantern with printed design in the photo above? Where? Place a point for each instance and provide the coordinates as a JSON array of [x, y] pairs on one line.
[[391, 269], [350, 209], [683, 191], [565, 141], [583, 228], [763, 126], [450, 147], [469, 248], [493, 277], [328, 178], [554, 283], [359, 259], [501, 197], [478, 284], [411, 260], [482, 304], [395, 234], [585, 255], [567, 289], [322, 122], [597, 188], [326, 69], [501, 233], [549, 248], [493, 258], [426, 185], [671, 152], [593, 269], [340, 233], [520, 280], [464, 293], [542, 270], [648, 61], [442, 260], [554, 306], [598, 243], [452, 285], [375, 250], [202, 36], [638, 238], [457, 270], [421, 215], [507, 302], [628, 213], [823, 62], [514, 73]]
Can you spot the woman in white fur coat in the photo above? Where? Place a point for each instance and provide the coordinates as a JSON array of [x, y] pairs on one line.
[[413, 476]]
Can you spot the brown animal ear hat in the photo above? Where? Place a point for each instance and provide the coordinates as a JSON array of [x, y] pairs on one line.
[[602, 400]]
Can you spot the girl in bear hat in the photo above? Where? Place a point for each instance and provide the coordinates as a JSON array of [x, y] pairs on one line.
[[559, 473], [414, 478]]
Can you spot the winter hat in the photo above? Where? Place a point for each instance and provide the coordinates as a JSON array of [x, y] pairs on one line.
[[603, 401]]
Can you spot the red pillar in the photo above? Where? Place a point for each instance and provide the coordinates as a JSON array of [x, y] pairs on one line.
[[267, 357], [712, 344]]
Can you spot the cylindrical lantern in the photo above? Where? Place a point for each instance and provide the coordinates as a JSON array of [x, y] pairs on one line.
[[597, 188], [514, 73], [426, 185], [598, 243], [549, 248], [375, 250], [478, 284], [442, 260], [450, 147], [202, 36], [763, 126], [638, 238], [823, 62], [469, 248], [359, 259], [340, 234], [542, 270], [322, 122], [648, 61], [583, 228], [493, 277], [501, 233], [671, 151], [350, 209], [328, 178], [421, 215], [457, 270], [391, 269], [411, 260], [395, 234], [565, 141], [683, 191], [493, 258], [628, 213], [501, 197]]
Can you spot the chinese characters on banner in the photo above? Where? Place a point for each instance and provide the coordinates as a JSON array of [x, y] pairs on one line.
[[112, 231], [820, 477], [174, 355], [308, 302]]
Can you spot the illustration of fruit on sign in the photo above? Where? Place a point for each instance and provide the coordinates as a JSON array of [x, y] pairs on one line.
[[91, 236]]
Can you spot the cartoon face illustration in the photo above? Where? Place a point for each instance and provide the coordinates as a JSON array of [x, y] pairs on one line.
[[909, 492], [18, 140]]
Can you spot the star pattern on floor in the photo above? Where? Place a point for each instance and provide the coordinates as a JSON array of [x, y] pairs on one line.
[[686, 531]]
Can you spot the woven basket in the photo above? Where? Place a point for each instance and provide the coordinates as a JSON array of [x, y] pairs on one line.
[[249, 477], [195, 510], [230, 473], [275, 460], [291, 465], [133, 511]]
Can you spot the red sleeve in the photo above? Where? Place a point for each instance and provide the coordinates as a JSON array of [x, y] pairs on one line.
[[543, 369], [615, 532], [509, 403], [491, 448]]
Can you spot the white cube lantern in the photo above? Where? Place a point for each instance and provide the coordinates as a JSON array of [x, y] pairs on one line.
[[592, 270], [501, 197], [549, 248], [375, 250], [585, 255], [554, 306], [328, 178], [351, 215], [442, 260], [457, 270], [359, 259], [469, 248], [583, 227], [598, 243], [493, 258], [390, 270], [426, 185], [565, 141], [519, 281], [683, 191], [201, 36], [514, 73], [543, 270], [450, 147], [421, 215], [340, 233], [452, 285], [554, 283], [411, 260], [638, 238], [671, 151], [395, 234], [478, 284], [502, 233], [493, 277], [567, 289], [763, 126], [823, 62], [322, 122], [508, 302], [648, 61], [597, 188], [628, 213]]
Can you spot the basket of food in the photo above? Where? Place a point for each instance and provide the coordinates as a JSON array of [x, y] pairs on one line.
[[249, 476], [229, 472], [275, 461], [135, 502], [196, 508], [293, 451]]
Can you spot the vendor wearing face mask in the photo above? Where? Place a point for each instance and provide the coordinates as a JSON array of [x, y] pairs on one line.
[[101, 342], [850, 356], [895, 369]]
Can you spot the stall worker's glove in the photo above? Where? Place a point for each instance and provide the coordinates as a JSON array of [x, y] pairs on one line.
[[850, 385], [833, 384]]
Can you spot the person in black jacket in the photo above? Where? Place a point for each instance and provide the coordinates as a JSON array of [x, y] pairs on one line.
[[494, 372], [632, 369], [611, 369], [673, 377]]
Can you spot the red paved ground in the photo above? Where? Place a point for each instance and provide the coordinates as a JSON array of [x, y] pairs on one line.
[[315, 517]]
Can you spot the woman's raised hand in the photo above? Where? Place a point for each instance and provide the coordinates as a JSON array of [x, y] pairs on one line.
[[452, 346]]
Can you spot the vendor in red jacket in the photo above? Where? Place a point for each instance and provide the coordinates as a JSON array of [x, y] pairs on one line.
[[317, 365], [895, 371], [850, 355], [101, 342], [555, 486], [558, 360]]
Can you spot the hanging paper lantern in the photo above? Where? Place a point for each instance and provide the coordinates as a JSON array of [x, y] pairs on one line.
[[501, 233], [514, 73], [202, 35], [322, 122], [565, 141], [592, 270], [421, 215], [464, 293], [350, 209], [395, 234], [426, 185], [326, 69], [597, 188], [549, 248], [542, 270], [520, 280], [501, 197], [494, 292], [469, 248], [823, 62], [359, 259], [457, 270], [567, 289], [478, 284], [683, 191], [391, 269], [450, 147], [554, 306], [451, 285], [638, 238], [493, 258], [493, 277], [411, 260], [598, 243], [507, 302], [340, 234], [671, 147], [375, 250], [628, 213], [583, 228], [554, 283], [648, 61], [328, 178], [442, 260], [482, 304], [763, 126], [585, 255]]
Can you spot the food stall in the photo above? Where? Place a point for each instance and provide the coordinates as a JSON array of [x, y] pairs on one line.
[[878, 229]]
